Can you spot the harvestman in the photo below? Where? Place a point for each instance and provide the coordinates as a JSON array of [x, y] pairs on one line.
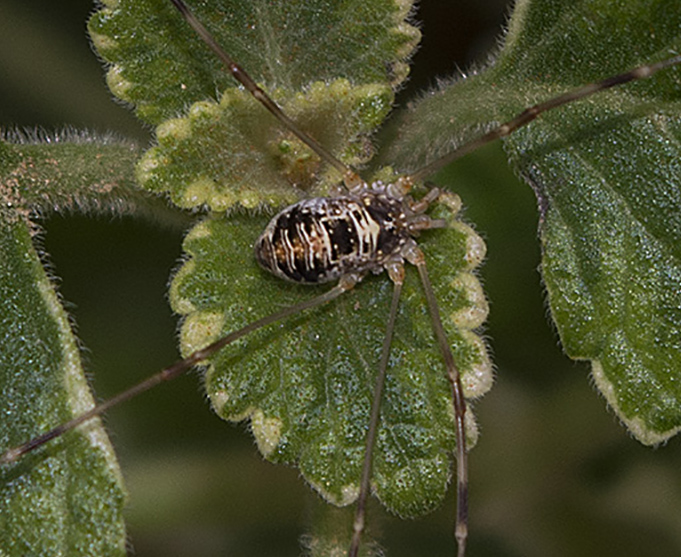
[[382, 238]]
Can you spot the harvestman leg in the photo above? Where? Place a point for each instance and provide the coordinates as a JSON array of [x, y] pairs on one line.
[[396, 273], [179, 368], [413, 254], [531, 113], [461, 528]]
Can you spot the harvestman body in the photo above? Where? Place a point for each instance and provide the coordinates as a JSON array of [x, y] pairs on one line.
[[324, 239], [369, 228]]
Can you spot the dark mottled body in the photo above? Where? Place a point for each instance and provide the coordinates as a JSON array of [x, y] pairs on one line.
[[319, 240]]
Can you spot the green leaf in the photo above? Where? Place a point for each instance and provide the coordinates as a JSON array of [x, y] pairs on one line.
[[160, 66], [66, 498], [607, 177], [306, 384], [303, 53]]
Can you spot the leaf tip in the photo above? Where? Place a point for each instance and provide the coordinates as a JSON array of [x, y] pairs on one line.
[[267, 432]]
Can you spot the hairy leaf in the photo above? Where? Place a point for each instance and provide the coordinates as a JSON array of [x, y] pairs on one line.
[[607, 177], [306, 384], [66, 498]]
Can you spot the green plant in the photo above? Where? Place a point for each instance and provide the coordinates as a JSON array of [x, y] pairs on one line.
[[494, 95]]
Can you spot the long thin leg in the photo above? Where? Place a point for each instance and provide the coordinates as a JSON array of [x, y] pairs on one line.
[[461, 530], [364, 486], [529, 114], [177, 369], [350, 178]]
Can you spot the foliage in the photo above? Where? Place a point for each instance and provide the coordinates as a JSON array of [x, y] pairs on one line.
[[604, 171]]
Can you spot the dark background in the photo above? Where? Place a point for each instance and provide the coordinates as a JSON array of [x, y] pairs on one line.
[[553, 474]]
